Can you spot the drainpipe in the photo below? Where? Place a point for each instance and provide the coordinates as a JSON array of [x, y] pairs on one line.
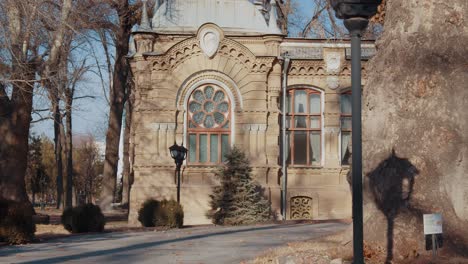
[[284, 154]]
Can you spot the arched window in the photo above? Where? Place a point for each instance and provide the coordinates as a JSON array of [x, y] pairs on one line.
[[208, 125], [346, 115], [304, 127]]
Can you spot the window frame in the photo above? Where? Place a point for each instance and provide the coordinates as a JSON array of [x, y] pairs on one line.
[[199, 131], [290, 129]]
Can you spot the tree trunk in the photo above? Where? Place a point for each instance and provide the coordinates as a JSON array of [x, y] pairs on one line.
[[117, 102], [69, 152], [58, 153], [416, 102]]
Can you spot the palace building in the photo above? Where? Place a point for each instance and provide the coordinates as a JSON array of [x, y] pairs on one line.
[[209, 74]]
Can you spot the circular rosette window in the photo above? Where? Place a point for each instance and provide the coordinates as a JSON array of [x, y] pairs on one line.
[[209, 108]]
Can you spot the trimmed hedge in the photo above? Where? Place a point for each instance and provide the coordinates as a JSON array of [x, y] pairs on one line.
[[165, 213], [83, 219], [16, 222]]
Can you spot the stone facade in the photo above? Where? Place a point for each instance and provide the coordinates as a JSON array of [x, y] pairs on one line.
[[169, 67]]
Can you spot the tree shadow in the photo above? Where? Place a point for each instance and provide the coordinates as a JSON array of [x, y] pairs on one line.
[[391, 184]]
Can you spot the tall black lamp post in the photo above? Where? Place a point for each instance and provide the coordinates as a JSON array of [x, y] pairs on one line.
[[356, 14], [178, 153]]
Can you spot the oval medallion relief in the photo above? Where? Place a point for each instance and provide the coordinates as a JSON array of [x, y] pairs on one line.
[[210, 38]]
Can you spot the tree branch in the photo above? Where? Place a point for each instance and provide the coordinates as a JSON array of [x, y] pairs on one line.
[[83, 97]]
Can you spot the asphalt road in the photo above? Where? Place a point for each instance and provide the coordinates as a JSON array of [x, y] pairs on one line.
[[196, 245]]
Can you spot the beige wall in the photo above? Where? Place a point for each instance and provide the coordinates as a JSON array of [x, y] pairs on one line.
[[166, 68]]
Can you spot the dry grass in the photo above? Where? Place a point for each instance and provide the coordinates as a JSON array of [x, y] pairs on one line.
[[323, 250], [318, 251]]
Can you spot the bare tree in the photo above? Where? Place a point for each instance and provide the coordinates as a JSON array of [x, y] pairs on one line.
[[127, 18]]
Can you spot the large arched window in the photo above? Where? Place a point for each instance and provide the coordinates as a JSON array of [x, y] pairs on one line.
[[208, 125], [346, 115], [304, 127]]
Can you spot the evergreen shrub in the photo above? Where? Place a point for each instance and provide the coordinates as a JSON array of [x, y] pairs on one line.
[[16, 222], [83, 218], [165, 213], [238, 200]]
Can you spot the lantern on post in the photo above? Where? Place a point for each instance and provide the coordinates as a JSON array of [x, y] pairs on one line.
[[178, 153], [356, 14]]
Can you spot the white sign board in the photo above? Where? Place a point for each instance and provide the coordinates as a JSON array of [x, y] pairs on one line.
[[432, 224]]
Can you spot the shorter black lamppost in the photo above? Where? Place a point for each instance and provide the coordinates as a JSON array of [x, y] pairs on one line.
[[356, 14], [178, 153]]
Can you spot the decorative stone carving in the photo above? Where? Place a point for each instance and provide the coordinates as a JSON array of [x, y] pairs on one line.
[[210, 37], [209, 42], [301, 207], [333, 62], [366, 53], [310, 53], [333, 82]]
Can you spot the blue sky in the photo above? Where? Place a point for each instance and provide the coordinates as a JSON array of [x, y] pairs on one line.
[[90, 115]]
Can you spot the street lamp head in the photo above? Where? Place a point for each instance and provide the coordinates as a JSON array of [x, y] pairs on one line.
[[346, 9], [178, 153]]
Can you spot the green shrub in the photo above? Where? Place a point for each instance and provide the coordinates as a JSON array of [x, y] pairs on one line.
[[16, 222], [147, 212], [83, 218], [165, 213]]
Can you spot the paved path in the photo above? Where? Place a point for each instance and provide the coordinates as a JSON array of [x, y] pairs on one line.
[[198, 245]]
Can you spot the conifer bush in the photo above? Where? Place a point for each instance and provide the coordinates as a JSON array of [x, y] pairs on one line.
[[238, 200], [165, 213], [16, 222], [83, 219]]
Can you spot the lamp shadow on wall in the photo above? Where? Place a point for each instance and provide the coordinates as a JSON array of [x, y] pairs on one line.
[[391, 184]]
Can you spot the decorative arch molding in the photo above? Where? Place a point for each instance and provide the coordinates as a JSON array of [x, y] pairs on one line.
[[189, 48], [206, 77], [306, 86]]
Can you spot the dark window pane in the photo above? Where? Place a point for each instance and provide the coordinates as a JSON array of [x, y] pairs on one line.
[[219, 118], [315, 104], [209, 92], [314, 148], [194, 107], [346, 123], [209, 121], [198, 117], [300, 122], [208, 106], [203, 148], [219, 97], [223, 107], [198, 95], [225, 146], [214, 148], [300, 101], [192, 147], [345, 145], [300, 147], [315, 122], [346, 104]]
